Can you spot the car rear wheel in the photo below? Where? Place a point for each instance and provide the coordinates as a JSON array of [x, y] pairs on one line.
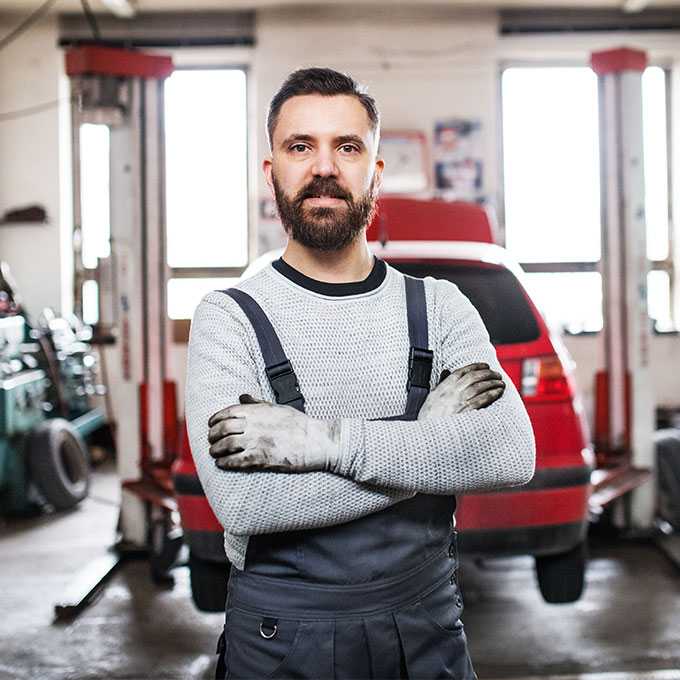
[[208, 583], [561, 577]]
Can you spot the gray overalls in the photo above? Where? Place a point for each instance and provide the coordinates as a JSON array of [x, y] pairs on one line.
[[376, 597]]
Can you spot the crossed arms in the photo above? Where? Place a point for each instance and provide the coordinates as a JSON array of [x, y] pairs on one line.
[[379, 463]]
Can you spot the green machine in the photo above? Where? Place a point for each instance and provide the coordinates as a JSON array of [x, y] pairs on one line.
[[46, 381], [23, 390]]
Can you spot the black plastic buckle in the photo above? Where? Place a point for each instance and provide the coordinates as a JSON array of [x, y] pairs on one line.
[[419, 367], [284, 382]]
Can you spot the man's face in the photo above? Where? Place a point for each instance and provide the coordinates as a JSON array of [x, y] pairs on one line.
[[323, 172]]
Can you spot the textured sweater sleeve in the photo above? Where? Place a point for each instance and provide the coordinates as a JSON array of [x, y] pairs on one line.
[[476, 450], [220, 367]]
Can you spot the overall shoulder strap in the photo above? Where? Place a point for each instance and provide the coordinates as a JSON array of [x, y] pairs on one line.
[[279, 370], [420, 356]]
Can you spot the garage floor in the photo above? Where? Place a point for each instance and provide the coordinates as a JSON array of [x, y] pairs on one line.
[[628, 620]]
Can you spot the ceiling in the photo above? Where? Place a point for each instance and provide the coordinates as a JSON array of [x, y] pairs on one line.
[[28, 6]]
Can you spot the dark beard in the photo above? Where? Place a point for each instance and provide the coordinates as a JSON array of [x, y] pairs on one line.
[[320, 228]]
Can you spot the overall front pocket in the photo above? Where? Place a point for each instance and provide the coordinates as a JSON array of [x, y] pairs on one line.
[[443, 606], [256, 646]]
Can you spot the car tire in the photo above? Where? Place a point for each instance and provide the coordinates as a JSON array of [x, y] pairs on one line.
[[208, 583], [561, 577], [59, 463]]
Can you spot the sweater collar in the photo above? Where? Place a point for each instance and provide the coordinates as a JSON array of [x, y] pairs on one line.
[[371, 282]]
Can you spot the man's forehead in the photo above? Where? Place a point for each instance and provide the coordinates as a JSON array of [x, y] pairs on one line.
[[318, 115]]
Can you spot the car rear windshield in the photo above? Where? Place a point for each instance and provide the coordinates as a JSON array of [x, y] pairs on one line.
[[495, 293]]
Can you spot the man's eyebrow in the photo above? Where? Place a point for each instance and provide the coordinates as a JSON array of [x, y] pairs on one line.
[[345, 139], [295, 137], [342, 139]]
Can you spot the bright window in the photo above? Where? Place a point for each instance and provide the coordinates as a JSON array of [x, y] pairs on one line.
[[656, 161], [552, 190], [185, 294], [551, 164], [659, 300], [206, 183], [90, 301], [206, 168], [571, 300], [94, 193]]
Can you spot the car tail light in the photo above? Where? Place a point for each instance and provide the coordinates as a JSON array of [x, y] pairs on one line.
[[544, 379]]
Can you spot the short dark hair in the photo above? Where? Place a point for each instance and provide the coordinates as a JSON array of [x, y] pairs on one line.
[[323, 81]]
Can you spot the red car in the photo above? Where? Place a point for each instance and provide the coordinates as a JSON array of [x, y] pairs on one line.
[[548, 517]]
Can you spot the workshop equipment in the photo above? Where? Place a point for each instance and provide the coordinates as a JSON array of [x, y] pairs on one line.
[[624, 421], [48, 377], [123, 89]]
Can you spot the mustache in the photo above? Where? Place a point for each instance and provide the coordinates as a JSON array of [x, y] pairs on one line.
[[323, 187]]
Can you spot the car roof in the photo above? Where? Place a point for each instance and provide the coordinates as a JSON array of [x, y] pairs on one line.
[[472, 251]]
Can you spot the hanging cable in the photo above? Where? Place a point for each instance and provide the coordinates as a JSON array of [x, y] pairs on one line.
[[26, 23], [91, 19], [32, 110]]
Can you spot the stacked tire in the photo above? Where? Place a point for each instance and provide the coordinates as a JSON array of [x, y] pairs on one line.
[[59, 463]]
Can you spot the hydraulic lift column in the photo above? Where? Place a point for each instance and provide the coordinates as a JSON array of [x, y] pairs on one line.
[[628, 439], [124, 90]]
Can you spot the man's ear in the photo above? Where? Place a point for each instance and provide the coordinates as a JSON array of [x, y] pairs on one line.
[[379, 167], [267, 168]]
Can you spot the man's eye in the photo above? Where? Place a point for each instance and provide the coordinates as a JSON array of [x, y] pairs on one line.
[[298, 147], [349, 148]]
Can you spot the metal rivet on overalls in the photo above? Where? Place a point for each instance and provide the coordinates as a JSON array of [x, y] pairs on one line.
[[268, 622]]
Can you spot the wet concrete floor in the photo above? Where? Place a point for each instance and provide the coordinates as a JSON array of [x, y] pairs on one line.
[[627, 625]]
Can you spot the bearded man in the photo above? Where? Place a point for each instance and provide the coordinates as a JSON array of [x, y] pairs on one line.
[[325, 444]]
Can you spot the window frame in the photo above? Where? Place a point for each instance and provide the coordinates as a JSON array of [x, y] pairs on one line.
[[222, 272], [203, 59], [548, 267]]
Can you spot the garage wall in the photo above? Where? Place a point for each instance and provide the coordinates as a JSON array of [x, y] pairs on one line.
[[30, 70], [421, 65]]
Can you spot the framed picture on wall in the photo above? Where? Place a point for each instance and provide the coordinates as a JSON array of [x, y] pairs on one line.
[[458, 164], [407, 162]]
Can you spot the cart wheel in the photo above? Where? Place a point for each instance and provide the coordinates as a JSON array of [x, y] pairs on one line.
[[561, 577], [59, 463], [208, 583]]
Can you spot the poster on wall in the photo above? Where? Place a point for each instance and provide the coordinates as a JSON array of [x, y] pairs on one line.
[[406, 162], [458, 164]]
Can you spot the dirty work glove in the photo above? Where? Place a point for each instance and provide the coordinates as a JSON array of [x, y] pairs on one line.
[[258, 434], [471, 387]]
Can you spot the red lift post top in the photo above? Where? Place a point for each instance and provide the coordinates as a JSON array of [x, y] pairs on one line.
[[619, 59], [115, 61]]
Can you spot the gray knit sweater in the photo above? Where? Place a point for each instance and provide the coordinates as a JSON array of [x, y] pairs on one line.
[[350, 354]]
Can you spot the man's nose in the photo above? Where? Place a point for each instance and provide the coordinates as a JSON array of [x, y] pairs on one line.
[[324, 165]]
